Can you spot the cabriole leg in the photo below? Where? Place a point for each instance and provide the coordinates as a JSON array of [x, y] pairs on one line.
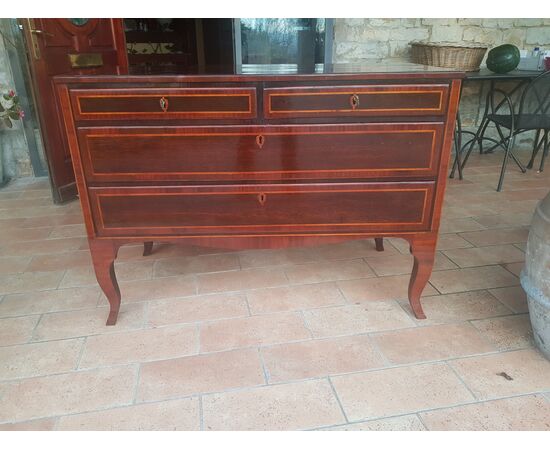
[[423, 250], [147, 248], [103, 258]]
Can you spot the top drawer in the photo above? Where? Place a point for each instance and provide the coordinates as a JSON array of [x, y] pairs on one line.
[[156, 103], [366, 100]]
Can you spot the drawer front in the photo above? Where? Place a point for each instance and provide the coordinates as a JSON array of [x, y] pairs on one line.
[[372, 100], [156, 103], [262, 153], [322, 208]]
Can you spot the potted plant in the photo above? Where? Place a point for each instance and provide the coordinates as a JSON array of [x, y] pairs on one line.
[[9, 111]]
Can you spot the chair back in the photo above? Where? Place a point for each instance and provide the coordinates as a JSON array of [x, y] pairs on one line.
[[535, 99]]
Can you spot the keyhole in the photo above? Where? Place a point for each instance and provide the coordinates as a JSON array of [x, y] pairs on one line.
[[260, 140], [262, 198], [354, 101], [163, 104]]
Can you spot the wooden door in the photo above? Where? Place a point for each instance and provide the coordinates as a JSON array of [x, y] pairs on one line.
[[68, 46]]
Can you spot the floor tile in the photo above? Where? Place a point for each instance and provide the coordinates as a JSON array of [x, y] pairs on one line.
[[431, 343], [353, 249], [67, 393], [294, 406], [399, 390], [450, 308], [383, 288], [528, 413], [161, 380], [509, 220], [63, 231], [31, 425], [507, 333], [292, 298], [85, 322], [473, 278], [141, 345], [451, 241], [502, 374], [187, 265], [265, 258], [44, 358], [158, 288], [353, 319], [318, 272], [49, 301], [514, 268], [319, 358], [252, 331], [402, 264], [197, 309], [17, 330], [241, 280], [173, 415], [460, 225], [485, 256], [43, 247], [60, 261], [125, 271], [495, 237], [513, 297], [401, 423], [13, 264], [29, 282]]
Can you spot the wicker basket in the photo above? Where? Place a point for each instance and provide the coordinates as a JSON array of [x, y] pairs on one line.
[[465, 57]]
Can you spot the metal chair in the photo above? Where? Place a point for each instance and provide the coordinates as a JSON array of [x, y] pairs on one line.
[[532, 113]]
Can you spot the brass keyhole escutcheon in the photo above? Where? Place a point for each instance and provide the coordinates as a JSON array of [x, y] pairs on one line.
[[163, 104], [260, 140], [354, 101], [262, 198]]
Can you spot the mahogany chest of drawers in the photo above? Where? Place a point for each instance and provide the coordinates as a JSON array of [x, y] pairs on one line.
[[260, 161]]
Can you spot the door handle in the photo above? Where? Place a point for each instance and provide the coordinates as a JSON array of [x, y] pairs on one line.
[[41, 32]]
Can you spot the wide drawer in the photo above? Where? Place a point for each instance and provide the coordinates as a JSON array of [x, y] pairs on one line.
[[362, 100], [265, 209], [262, 153], [155, 103]]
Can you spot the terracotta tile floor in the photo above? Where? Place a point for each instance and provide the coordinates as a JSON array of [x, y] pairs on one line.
[[305, 338]]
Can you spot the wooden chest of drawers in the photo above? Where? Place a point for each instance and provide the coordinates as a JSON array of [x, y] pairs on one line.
[[249, 161]]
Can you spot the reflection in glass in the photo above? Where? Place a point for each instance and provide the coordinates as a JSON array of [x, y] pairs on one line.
[[299, 42]]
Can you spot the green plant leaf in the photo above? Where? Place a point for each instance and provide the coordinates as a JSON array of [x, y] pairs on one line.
[[15, 99], [13, 115], [1, 108], [7, 122], [6, 97]]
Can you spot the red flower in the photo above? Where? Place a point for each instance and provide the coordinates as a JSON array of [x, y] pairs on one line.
[[11, 93], [21, 113]]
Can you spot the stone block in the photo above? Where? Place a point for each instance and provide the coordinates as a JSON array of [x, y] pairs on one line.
[[480, 35], [409, 34], [470, 21], [538, 35], [529, 22], [515, 36], [441, 22], [446, 33]]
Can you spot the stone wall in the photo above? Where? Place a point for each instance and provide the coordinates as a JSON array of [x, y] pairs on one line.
[[14, 152], [356, 40]]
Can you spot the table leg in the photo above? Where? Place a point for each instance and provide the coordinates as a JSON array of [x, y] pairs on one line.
[[423, 250], [104, 253], [147, 248]]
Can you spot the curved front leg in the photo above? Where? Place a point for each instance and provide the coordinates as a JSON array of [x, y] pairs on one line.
[[103, 258], [423, 250], [147, 248]]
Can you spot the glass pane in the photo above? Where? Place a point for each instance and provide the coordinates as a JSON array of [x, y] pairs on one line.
[[283, 41]]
